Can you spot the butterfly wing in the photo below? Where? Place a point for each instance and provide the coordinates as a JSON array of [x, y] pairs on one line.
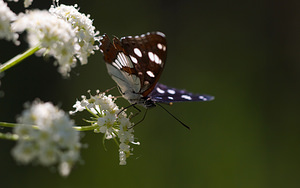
[[164, 94], [135, 63], [148, 53], [119, 65]]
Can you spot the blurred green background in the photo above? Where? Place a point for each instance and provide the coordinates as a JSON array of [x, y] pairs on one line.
[[245, 53]]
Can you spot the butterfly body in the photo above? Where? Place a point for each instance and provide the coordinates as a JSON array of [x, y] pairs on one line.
[[136, 63]]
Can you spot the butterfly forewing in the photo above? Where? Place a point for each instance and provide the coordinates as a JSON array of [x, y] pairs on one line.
[[148, 53], [164, 94]]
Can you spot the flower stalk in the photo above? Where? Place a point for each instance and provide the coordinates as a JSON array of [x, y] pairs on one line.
[[77, 128], [17, 59], [9, 136], [5, 124]]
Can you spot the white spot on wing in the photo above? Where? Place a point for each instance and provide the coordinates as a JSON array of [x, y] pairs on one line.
[[117, 64], [151, 56], [171, 91], [161, 46], [137, 52], [150, 73], [161, 34], [133, 59], [160, 90], [171, 98], [202, 98], [123, 61], [157, 60], [186, 97]]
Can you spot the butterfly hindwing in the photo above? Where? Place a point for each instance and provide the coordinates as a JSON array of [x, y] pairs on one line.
[[164, 94]]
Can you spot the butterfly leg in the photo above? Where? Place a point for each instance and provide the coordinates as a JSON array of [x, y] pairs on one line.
[[141, 119], [135, 114], [132, 105]]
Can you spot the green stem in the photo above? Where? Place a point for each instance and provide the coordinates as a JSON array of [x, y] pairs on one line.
[[4, 124], [9, 136], [19, 58], [85, 128], [91, 112], [78, 128], [116, 141]]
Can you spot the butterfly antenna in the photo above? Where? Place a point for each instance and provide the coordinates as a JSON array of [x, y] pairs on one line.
[[174, 116]]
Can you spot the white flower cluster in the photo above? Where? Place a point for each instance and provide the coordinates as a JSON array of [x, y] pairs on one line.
[[27, 3], [6, 17], [62, 32], [110, 120], [86, 35], [56, 36], [47, 137]]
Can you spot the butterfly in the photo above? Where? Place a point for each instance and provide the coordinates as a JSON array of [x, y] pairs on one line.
[[136, 63]]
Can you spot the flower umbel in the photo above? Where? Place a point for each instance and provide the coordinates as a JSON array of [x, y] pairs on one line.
[[109, 120], [6, 17], [55, 36], [47, 137], [62, 32], [86, 35]]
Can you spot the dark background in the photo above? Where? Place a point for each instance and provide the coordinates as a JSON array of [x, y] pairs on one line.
[[245, 53]]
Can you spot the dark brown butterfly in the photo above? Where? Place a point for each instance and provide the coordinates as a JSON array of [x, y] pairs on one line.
[[136, 63]]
